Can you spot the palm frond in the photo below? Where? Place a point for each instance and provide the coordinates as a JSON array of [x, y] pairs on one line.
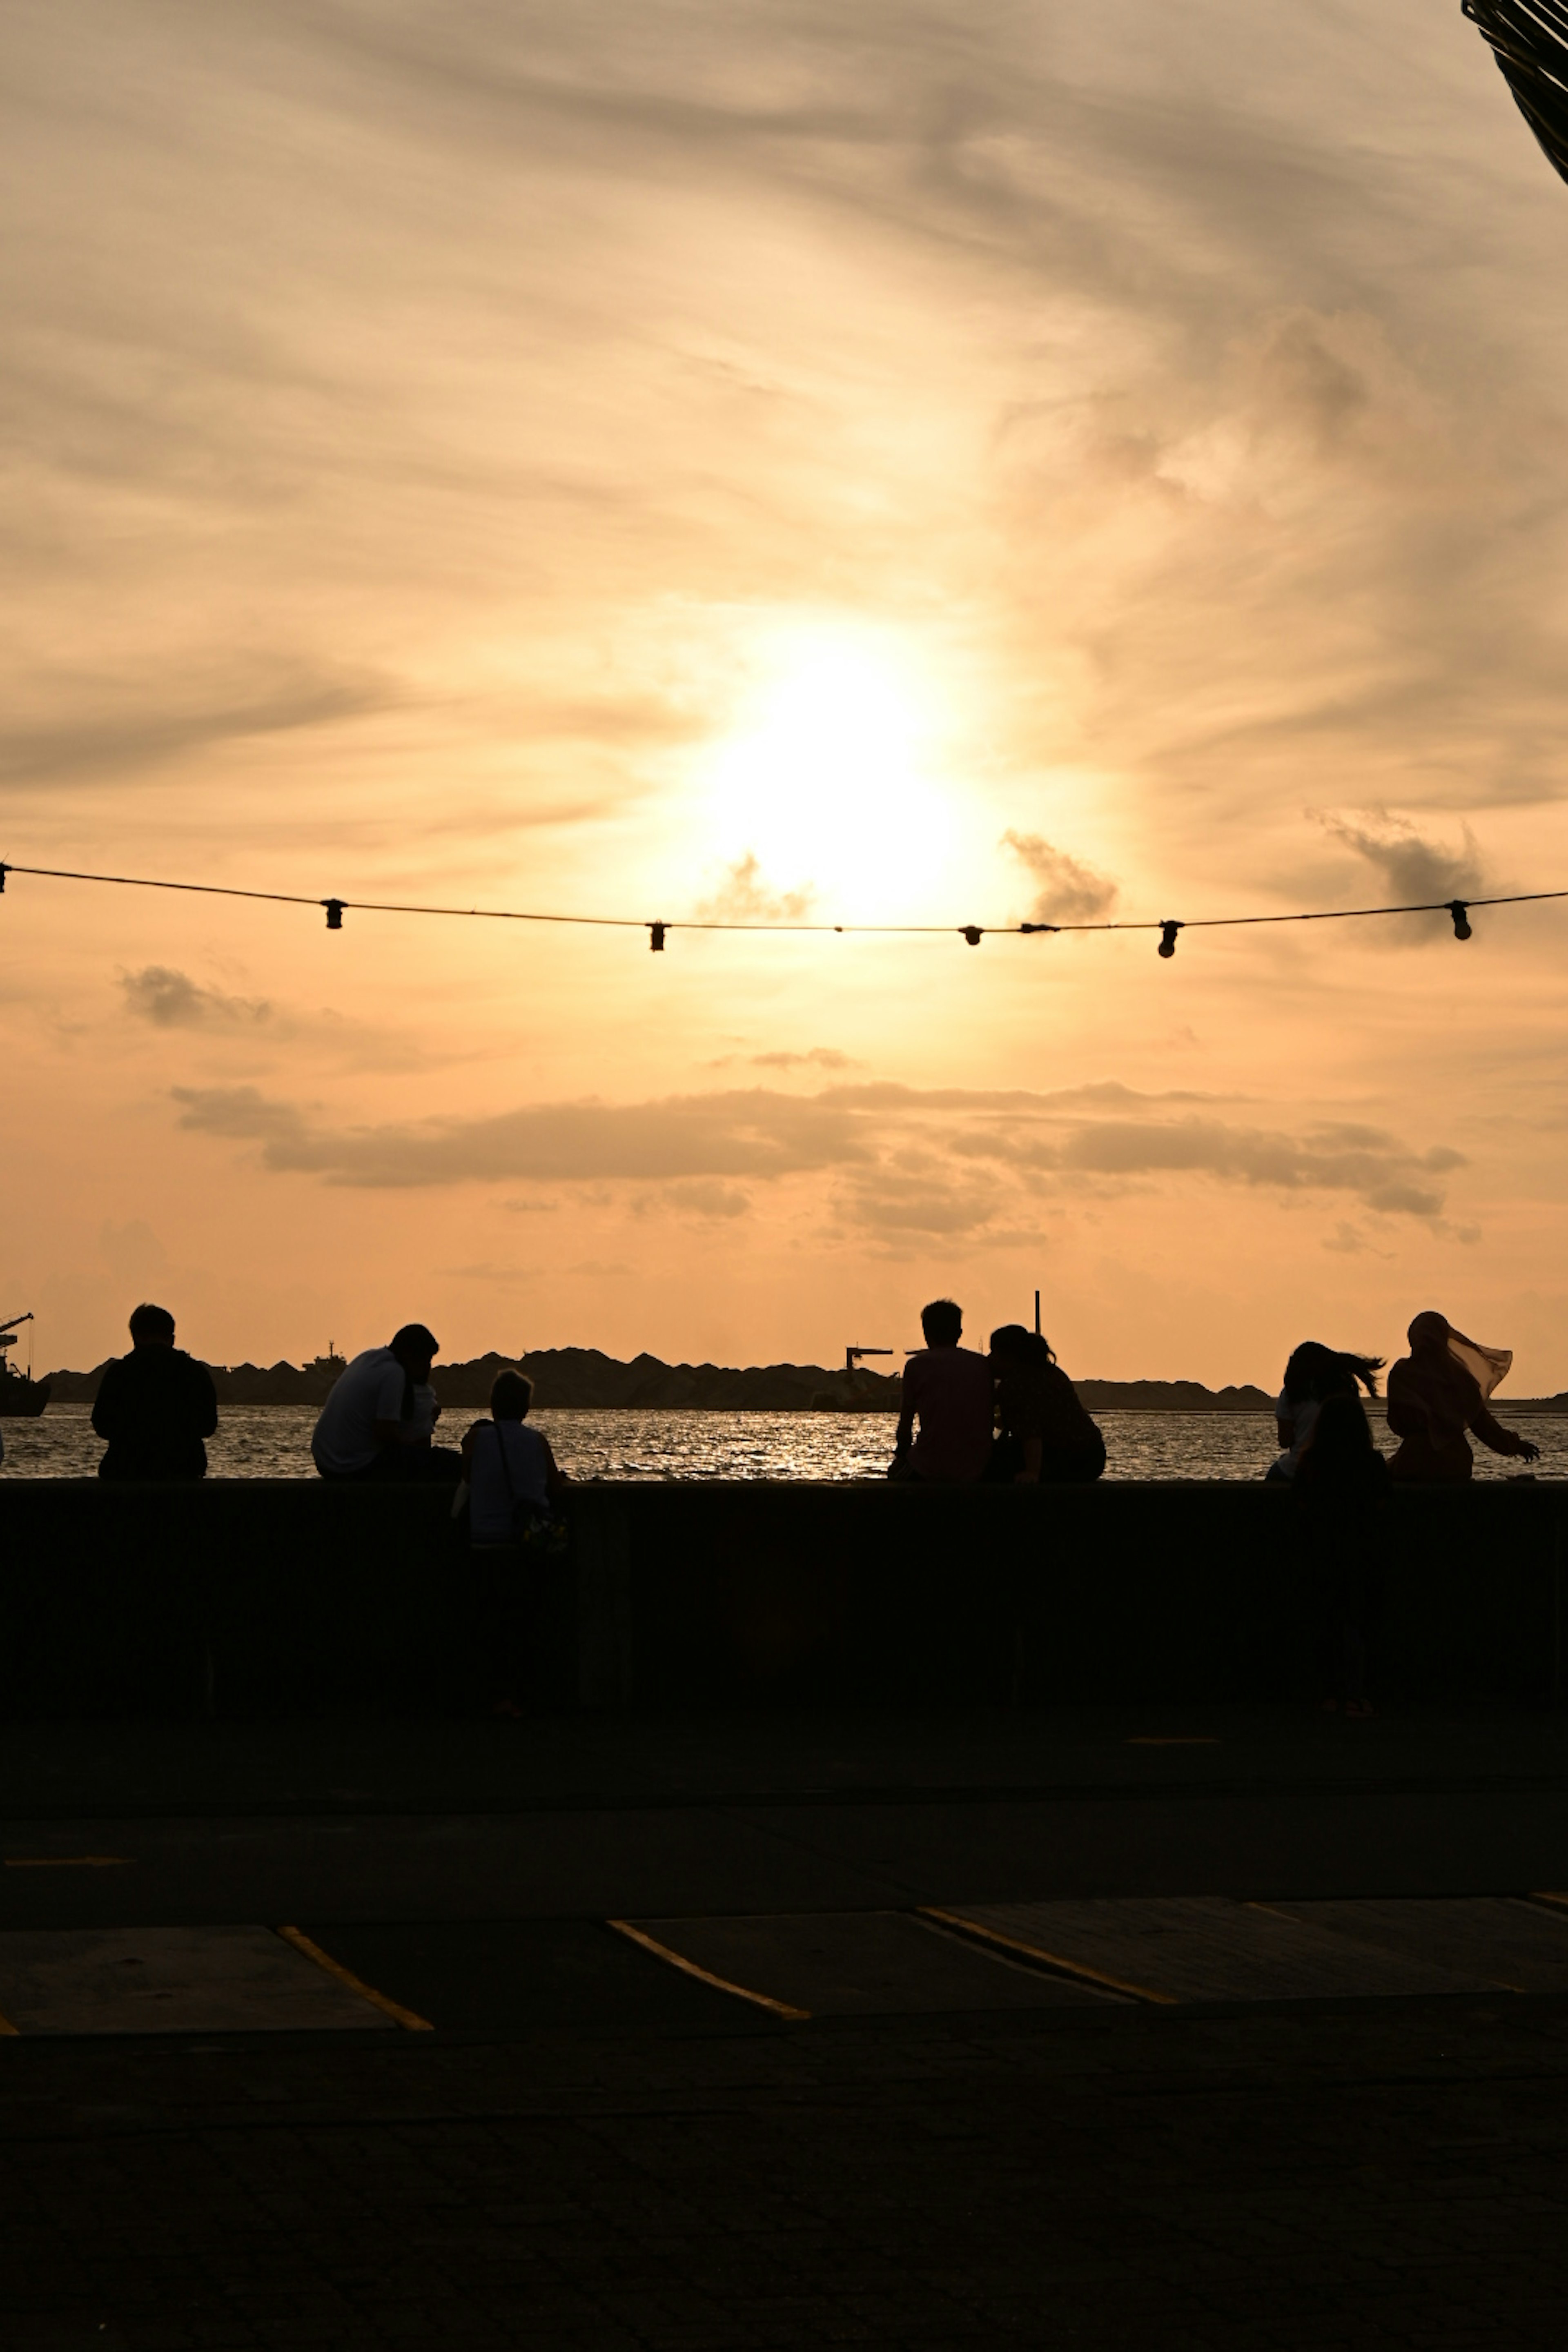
[[1529, 40]]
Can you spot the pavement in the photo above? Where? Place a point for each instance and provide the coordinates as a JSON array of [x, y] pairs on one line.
[[1169, 2028]]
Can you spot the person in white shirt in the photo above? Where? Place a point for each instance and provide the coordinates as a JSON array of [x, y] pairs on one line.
[[377, 1421], [508, 1464]]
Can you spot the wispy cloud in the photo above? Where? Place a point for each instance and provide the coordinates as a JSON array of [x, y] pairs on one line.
[[1415, 869], [92, 729], [745, 897], [938, 1159], [1069, 891], [172, 1000]]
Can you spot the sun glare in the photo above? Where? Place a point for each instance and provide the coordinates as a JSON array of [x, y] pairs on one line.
[[826, 777]]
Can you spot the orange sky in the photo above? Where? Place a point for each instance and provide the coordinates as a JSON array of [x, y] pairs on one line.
[[911, 462]]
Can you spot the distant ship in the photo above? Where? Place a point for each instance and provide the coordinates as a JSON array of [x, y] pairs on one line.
[[21, 1398]]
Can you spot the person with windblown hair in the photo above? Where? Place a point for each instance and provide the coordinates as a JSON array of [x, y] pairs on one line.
[[1439, 1392], [1313, 1374]]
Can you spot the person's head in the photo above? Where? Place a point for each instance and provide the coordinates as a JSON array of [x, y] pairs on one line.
[[151, 1327], [1316, 1372], [1340, 1450], [1012, 1343], [415, 1350], [943, 1323], [512, 1393], [1429, 1334]]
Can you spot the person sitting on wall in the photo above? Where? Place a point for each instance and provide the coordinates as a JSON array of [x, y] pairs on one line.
[[512, 1482], [156, 1405], [947, 1389], [377, 1421], [1436, 1393], [1046, 1437], [1313, 1373], [511, 1472]]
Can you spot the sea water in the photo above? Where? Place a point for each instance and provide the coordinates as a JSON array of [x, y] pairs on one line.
[[273, 1441]]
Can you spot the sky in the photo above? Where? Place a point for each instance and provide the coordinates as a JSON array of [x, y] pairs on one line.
[[928, 463]]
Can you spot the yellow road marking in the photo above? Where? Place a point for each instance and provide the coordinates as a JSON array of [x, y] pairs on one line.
[[1052, 1959], [704, 1976], [68, 1861], [393, 2009]]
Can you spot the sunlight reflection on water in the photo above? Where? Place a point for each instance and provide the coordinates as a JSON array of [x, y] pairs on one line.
[[273, 1441]]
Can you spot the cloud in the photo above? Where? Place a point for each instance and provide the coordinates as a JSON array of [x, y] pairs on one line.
[[170, 999], [743, 897], [1348, 1241], [167, 997], [816, 1057], [750, 1133], [936, 1160], [1415, 870], [1071, 892], [1376, 1167], [703, 1197], [104, 728]]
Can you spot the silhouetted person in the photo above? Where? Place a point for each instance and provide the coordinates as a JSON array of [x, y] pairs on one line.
[[1439, 1392], [511, 1472], [1341, 1484], [1312, 1375], [512, 1482], [377, 1421], [156, 1405], [1046, 1437], [947, 1389]]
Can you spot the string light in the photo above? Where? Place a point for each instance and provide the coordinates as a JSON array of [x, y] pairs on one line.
[[1168, 926]]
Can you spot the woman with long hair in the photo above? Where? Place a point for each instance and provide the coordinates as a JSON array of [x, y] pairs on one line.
[[1439, 1392], [1312, 1375], [1046, 1438]]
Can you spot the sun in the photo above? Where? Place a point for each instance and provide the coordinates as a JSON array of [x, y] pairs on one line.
[[826, 777]]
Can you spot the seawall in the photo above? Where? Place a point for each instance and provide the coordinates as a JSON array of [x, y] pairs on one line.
[[279, 1598]]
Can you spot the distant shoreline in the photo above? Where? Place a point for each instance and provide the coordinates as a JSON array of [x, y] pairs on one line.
[[584, 1380]]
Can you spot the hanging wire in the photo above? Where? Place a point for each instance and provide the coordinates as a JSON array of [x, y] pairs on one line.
[[1168, 926]]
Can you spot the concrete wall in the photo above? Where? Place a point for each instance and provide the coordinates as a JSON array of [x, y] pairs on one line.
[[277, 1596]]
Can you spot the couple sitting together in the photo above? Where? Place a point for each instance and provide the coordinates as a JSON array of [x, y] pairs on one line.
[[378, 1425], [1011, 1417]]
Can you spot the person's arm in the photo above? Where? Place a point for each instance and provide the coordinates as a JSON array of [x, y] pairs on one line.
[[204, 1401], [904, 1436], [1029, 1476], [1285, 1431], [1503, 1441], [469, 1434]]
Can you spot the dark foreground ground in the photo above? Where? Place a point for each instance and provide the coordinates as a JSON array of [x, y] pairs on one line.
[[593, 2149]]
